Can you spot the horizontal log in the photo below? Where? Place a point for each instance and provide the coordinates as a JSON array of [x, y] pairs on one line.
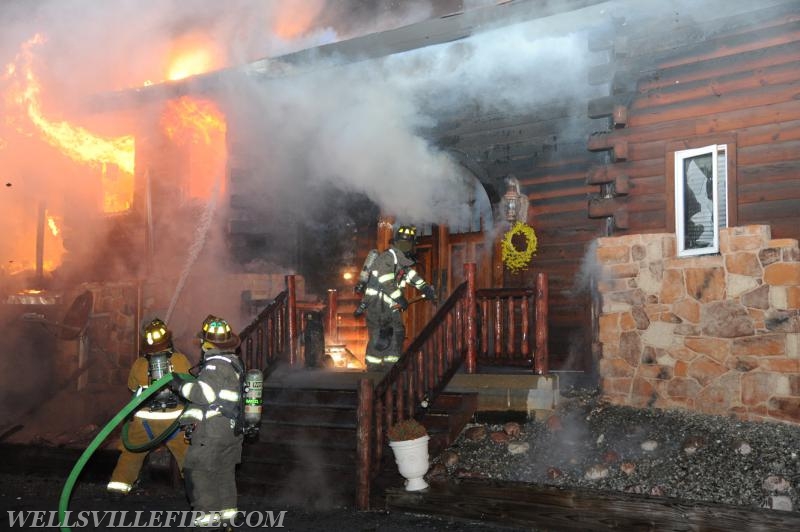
[[603, 207], [754, 176], [568, 189], [768, 133], [752, 80], [650, 221], [769, 153], [547, 177], [754, 213], [736, 44], [776, 94], [602, 107], [564, 222], [768, 191], [652, 45], [553, 207], [655, 184], [785, 227], [722, 66]]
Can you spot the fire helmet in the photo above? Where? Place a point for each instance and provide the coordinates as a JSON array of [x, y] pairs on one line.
[[217, 332], [156, 337], [405, 239]]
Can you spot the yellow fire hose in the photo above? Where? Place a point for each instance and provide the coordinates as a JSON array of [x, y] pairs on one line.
[[131, 407]]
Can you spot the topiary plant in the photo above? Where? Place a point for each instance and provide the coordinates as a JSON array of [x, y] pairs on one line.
[[408, 429]]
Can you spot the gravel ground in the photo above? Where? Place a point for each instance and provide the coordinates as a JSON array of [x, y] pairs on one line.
[[589, 444]]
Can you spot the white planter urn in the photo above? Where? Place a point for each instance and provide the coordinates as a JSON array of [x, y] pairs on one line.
[[412, 461]]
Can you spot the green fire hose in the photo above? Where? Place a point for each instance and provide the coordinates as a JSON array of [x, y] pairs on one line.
[[131, 407]]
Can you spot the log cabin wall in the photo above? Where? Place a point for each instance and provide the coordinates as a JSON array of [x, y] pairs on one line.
[[546, 151], [728, 78]]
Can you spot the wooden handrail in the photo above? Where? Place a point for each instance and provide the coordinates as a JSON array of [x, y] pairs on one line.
[[264, 340], [418, 377]]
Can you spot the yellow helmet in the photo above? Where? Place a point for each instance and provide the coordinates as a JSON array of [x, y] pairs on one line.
[[217, 331], [405, 239], [156, 337]]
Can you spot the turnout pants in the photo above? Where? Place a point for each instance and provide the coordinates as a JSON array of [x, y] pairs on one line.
[[210, 470], [384, 318], [129, 464]]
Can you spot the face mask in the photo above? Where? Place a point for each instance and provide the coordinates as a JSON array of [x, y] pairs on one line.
[[406, 246]]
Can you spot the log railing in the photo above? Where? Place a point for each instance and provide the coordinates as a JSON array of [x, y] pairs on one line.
[[415, 381], [274, 333], [264, 340], [505, 335]]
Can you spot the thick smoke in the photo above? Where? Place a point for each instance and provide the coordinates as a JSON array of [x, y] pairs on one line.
[[355, 126]]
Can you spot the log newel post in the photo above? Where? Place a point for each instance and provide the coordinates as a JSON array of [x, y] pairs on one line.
[[333, 311], [472, 336], [540, 357], [364, 443], [291, 319]]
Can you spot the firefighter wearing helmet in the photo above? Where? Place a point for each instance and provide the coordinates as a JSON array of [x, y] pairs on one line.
[[387, 275], [153, 419], [213, 420]]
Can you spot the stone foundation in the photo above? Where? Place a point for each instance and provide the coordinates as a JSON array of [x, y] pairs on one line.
[[717, 334]]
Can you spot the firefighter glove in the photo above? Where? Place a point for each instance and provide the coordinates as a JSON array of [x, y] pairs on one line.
[[401, 302], [362, 307], [428, 292], [176, 383]]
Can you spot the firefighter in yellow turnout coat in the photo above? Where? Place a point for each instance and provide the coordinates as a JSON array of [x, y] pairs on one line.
[[156, 416]]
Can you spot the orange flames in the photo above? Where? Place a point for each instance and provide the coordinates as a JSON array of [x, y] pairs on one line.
[[76, 142], [198, 126]]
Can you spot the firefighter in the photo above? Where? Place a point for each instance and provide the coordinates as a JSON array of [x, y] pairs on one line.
[[213, 421], [161, 411], [384, 302]]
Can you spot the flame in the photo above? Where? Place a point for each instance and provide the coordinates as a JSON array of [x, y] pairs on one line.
[[51, 223], [194, 121], [199, 127], [193, 54], [189, 64], [76, 142]]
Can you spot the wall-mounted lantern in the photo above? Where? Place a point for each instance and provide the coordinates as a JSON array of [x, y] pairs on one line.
[[513, 200]]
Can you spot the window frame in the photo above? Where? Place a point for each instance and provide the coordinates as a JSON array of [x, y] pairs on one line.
[[676, 153], [680, 186]]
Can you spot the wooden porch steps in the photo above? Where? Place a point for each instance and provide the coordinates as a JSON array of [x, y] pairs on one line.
[[306, 450]]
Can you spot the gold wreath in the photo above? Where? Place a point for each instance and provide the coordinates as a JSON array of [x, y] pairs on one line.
[[518, 259]]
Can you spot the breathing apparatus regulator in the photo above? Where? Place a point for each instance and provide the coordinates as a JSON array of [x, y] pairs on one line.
[[157, 349]]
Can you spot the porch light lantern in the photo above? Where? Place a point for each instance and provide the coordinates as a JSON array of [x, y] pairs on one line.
[[512, 200]]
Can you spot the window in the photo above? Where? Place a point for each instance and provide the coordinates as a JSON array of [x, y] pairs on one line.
[[701, 191]]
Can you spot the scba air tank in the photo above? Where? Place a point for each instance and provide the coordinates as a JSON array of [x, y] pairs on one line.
[[253, 396]]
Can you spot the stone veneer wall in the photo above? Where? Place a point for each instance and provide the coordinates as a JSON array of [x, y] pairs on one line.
[[717, 334]]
